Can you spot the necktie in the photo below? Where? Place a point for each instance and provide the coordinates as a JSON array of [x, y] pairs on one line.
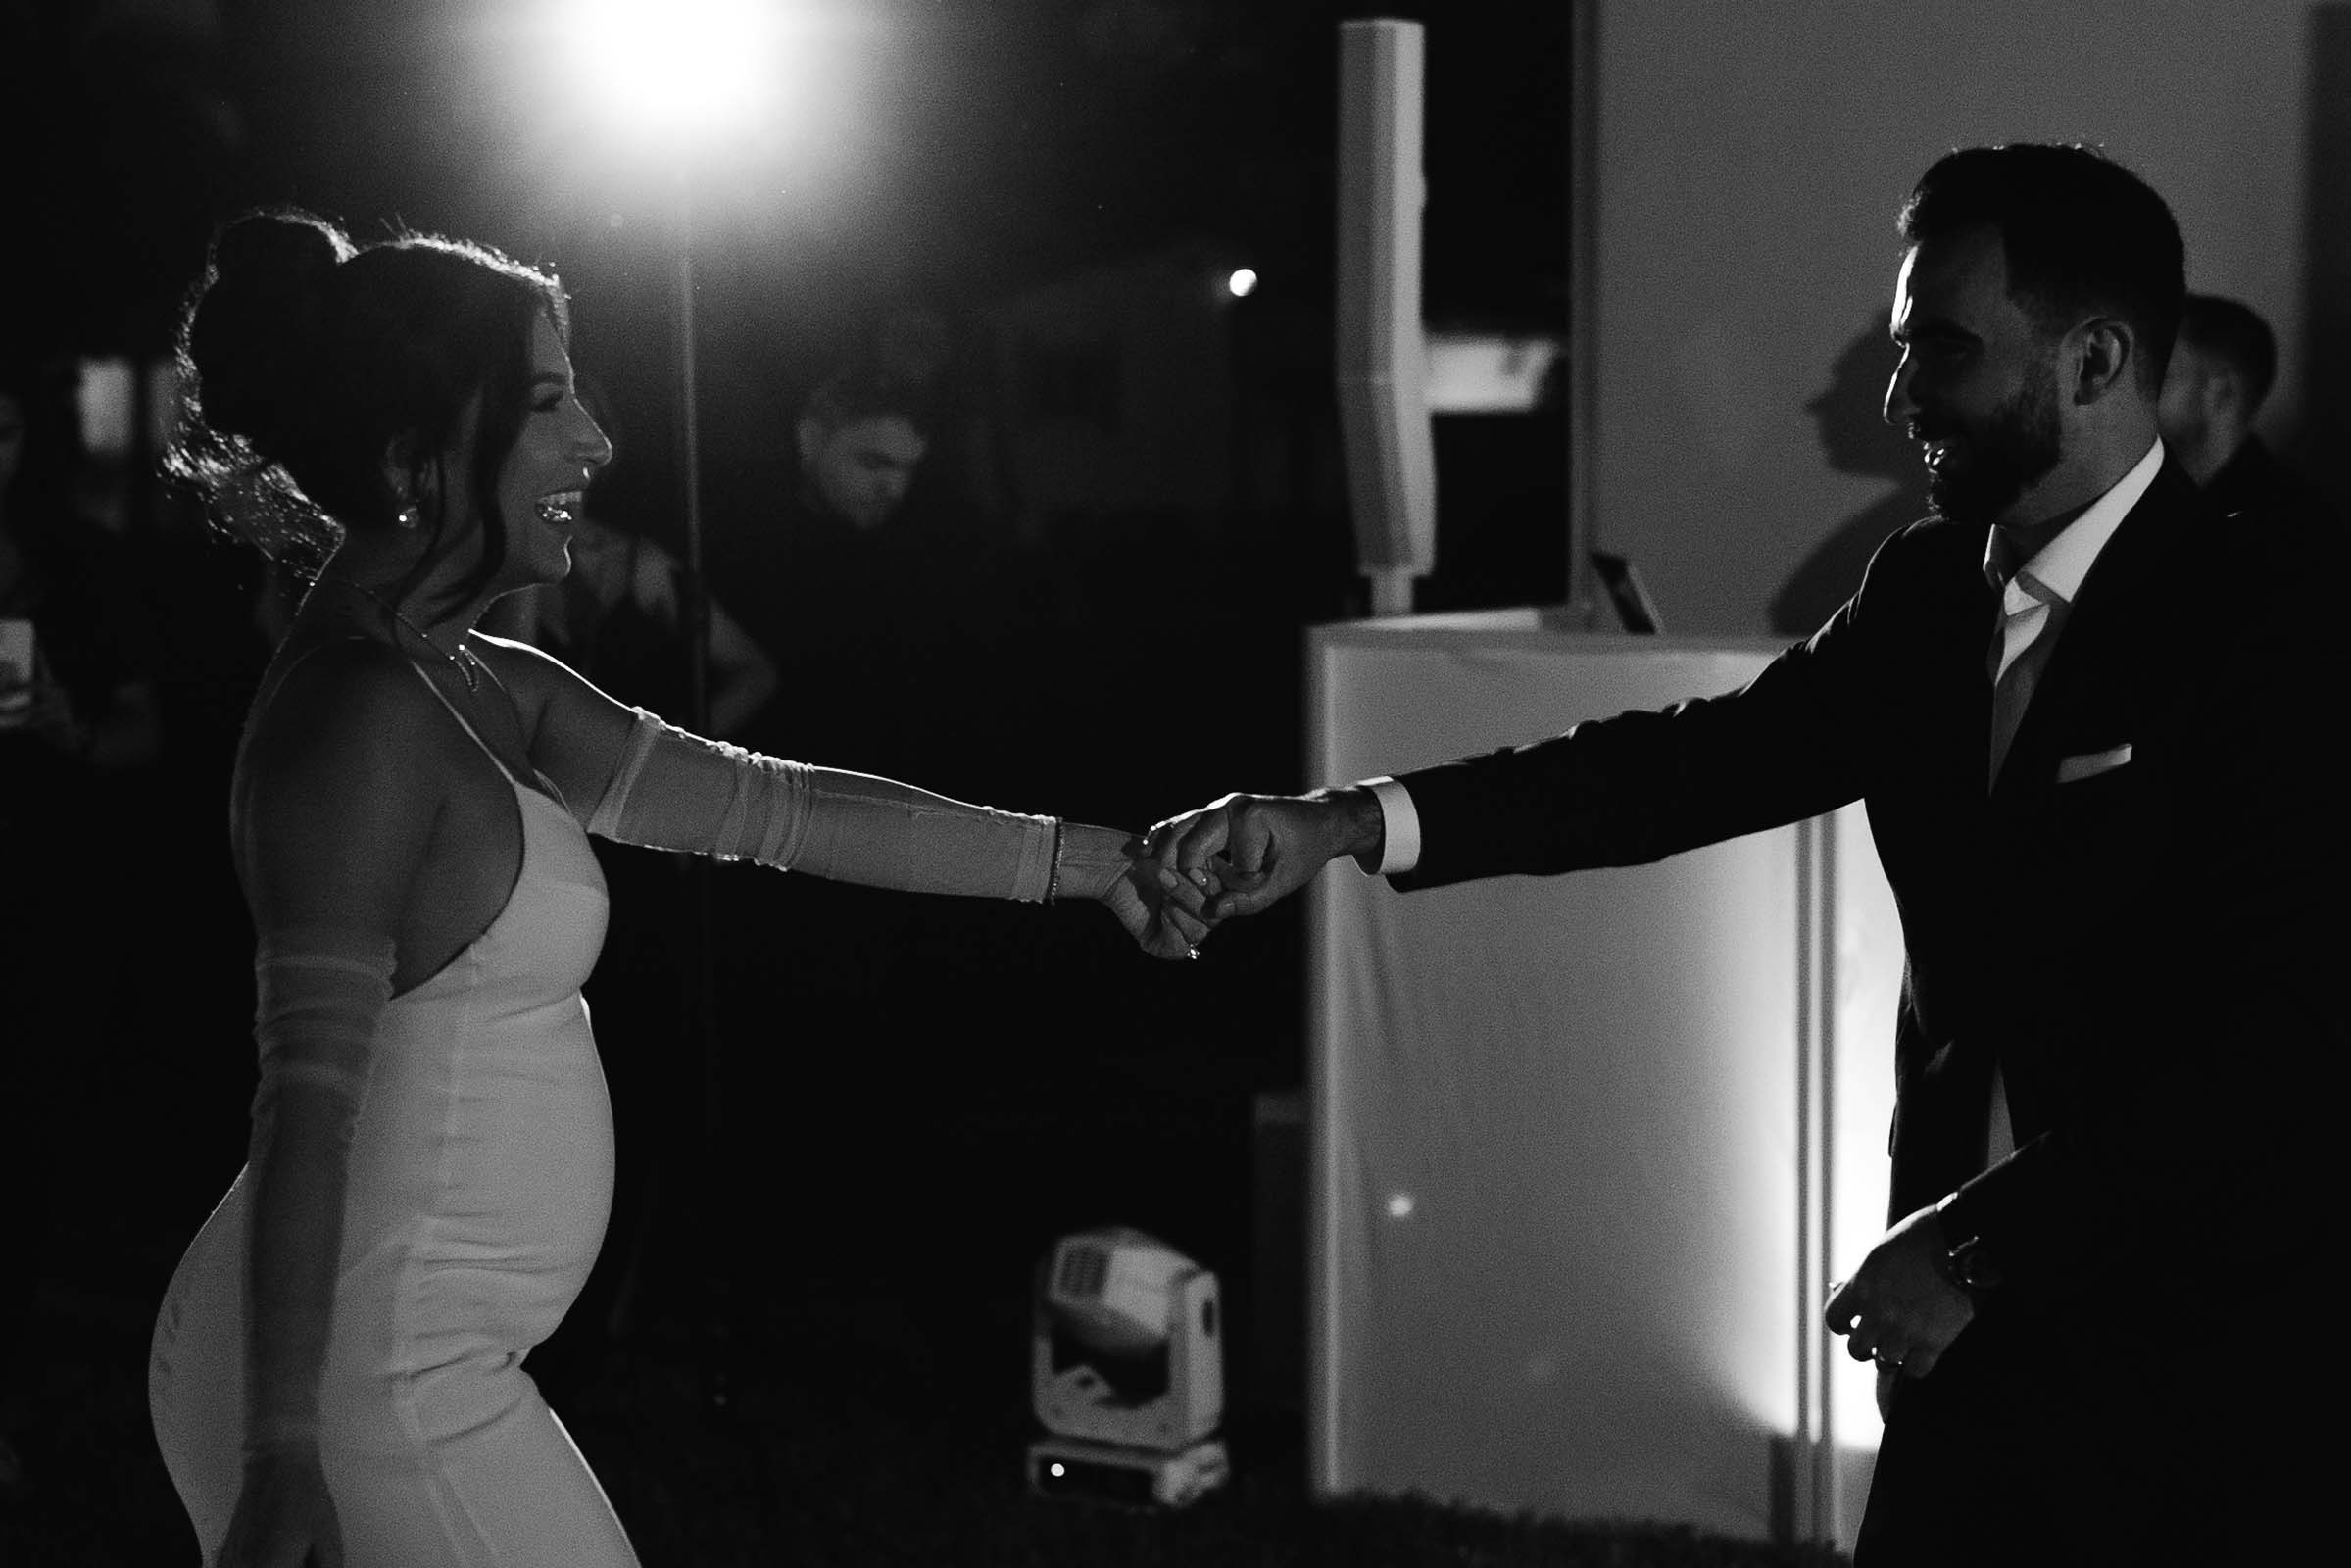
[[2026, 606]]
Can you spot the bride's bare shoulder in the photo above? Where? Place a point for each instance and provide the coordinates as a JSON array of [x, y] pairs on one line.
[[345, 774], [333, 707]]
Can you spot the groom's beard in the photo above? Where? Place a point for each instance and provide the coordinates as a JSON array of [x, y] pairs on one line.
[[1989, 465]]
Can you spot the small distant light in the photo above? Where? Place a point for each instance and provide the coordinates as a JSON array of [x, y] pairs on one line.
[[1400, 1207], [1243, 282], [1057, 1471]]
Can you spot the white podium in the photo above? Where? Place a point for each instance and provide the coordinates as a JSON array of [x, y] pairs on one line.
[[1584, 1150]]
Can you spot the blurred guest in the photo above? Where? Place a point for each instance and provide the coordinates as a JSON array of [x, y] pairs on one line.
[[860, 436], [902, 630], [82, 702], [2221, 373], [618, 619], [841, 576], [78, 727]]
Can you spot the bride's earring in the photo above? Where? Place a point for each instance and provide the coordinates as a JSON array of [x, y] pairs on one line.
[[409, 516]]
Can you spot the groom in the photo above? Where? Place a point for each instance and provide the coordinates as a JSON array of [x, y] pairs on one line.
[[2089, 727]]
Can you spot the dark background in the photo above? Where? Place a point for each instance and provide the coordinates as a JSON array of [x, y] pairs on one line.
[[983, 148], [848, 1162]]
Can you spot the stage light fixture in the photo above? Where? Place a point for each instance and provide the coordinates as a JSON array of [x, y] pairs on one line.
[[680, 68], [1126, 1372]]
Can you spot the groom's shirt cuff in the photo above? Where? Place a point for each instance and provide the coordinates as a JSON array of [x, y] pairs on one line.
[[1400, 828]]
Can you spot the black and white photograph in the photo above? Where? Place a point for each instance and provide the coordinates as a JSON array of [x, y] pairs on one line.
[[1165, 783]]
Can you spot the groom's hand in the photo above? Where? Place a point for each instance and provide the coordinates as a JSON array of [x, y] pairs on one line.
[[1899, 1309], [1250, 852]]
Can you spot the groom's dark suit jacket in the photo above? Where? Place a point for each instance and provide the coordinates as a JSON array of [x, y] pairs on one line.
[[2150, 949]]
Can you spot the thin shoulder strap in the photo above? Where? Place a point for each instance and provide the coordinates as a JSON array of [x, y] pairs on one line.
[[270, 685], [275, 678], [463, 722], [540, 788], [274, 681]]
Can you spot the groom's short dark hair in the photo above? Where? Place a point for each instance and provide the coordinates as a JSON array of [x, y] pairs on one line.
[[2081, 234]]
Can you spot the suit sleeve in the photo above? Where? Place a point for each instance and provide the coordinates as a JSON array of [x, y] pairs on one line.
[[1641, 785]]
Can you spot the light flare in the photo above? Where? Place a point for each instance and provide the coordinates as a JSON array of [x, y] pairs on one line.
[[680, 68]]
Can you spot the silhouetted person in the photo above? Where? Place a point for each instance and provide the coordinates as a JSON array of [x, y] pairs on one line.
[[79, 736], [843, 579], [2221, 373]]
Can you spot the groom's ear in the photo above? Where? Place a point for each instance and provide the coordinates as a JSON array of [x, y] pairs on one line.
[[2104, 355]]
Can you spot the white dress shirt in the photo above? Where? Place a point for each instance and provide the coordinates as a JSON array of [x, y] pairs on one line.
[[2060, 565]]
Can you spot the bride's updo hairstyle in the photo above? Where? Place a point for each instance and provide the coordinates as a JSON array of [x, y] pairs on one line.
[[311, 362]]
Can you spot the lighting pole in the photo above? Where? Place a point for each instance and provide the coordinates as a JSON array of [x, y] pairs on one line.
[[696, 605], [702, 990], [682, 75]]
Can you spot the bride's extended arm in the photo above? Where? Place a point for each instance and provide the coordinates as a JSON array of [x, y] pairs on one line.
[[675, 791], [633, 778]]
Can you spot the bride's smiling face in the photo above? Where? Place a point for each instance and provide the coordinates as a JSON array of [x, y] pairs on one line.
[[556, 453]]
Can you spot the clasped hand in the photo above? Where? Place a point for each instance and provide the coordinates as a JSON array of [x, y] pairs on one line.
[[1242, 853], [1238, 856], [1164, 912], [1899, 1309]]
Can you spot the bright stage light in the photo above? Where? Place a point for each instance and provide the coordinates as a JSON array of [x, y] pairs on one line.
[[678, 68], [1243, 282]]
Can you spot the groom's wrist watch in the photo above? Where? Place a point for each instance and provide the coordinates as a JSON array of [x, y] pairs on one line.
[[1968, 1263]]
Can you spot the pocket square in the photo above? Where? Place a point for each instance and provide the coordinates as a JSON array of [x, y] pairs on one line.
[[2089, 764]]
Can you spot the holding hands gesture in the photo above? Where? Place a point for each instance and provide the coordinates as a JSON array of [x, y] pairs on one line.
[[1247, 852], [1162, 913]]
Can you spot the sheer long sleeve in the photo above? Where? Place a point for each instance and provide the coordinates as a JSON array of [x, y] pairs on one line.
[[675, 791], [322, 992]]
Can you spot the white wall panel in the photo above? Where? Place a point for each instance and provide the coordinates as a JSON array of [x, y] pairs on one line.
[[1556, 1121]]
